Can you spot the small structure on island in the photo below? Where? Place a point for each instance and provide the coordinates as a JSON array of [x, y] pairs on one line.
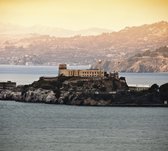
[[7, 85], [135, 87], [80, 72]]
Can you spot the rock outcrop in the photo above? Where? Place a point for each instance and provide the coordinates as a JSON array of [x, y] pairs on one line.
[[164, 92], [39, 95], [86, 91], [10, 95]]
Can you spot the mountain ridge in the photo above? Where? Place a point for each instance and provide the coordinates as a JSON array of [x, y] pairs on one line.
[[37, 49], [10, 29]]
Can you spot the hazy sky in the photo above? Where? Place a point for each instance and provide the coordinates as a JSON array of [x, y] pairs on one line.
[[79, 14]]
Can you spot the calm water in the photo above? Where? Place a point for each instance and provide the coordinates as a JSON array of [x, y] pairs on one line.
[[44, 127], [28, 74]]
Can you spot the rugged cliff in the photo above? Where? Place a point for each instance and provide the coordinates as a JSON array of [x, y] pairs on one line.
[[85, 91]]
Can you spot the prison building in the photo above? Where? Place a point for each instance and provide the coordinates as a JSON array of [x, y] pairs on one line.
[[80, 73]]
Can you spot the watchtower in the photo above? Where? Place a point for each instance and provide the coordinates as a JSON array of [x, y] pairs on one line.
[[62, 67]]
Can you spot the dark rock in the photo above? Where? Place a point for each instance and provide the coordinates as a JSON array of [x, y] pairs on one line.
[[164, 92], [85, 91], [154, 87]]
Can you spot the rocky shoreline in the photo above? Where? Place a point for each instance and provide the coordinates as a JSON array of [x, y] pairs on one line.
[[80, 91]]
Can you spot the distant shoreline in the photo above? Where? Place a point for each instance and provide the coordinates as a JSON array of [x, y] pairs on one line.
[[114, 105]]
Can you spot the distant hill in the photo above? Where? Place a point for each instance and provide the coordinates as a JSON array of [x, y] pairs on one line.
[[148, 61], [10, 29], [36, 49]]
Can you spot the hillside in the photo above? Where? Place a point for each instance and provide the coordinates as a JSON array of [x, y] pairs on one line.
[[35, 49], [148, 61]]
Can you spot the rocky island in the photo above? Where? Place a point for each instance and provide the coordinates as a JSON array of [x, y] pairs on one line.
[[109, 90]]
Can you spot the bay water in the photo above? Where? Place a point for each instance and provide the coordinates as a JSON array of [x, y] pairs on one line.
[[45, 127]]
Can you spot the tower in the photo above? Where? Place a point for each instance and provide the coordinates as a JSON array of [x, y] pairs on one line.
[[62, 67]]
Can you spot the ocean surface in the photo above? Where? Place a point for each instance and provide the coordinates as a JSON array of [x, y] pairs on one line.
[[28, 74], [45, 127]]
